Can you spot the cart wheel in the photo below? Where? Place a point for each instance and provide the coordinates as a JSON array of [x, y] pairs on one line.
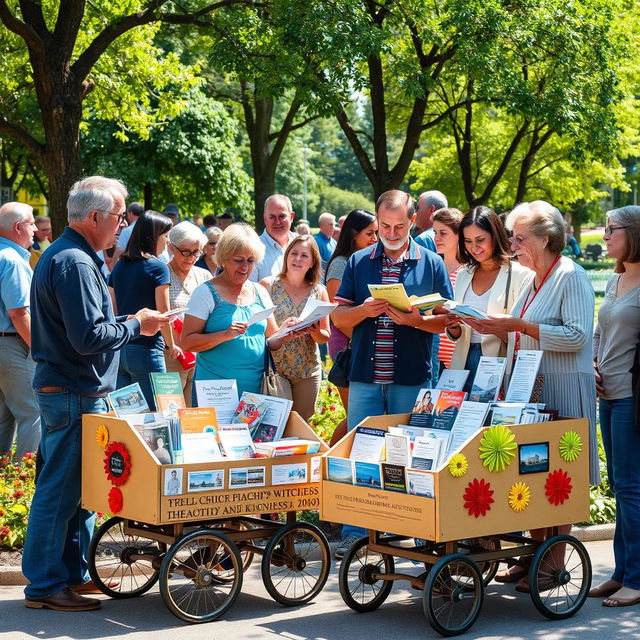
[[189, 576], [360, 587], [560, 577], [131, 560], [453, 594], [246, 557], [489, 568], [296, 563]]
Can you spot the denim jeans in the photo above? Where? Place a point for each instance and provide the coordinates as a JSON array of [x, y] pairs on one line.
[[367, 399], [136, 363], [435, 361], [621, 440], [59, 530], [471, 365]]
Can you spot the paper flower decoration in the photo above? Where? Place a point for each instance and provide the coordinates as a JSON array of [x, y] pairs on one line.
[[558, 487], [477, 497], [115, 500], [458, 465], [117, 463], [519, 496], [102, 436], [497, 448], [570, 446]]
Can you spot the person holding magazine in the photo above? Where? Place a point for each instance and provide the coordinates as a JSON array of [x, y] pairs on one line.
[[299, 360], [489, 283], [554, 314], [217, 324], [614, 346]]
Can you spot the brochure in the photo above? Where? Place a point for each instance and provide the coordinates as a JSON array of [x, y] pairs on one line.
[[261, 315], [488, 379], [221, 394], [408, 430], [313, 311], [420, 483], [396, 296], [198, 420], [393, 477], [274, 420], [523, 376], [340, 470], [368, 474], [170, 404], [200, 447], [446, 409], [426, 453], [424, 408], [236, 441], [368, 445], [398, 449], [470, 419], [464, 311], [250, 410], [452, 379], [126, 400], [506, 413], [287, 447]]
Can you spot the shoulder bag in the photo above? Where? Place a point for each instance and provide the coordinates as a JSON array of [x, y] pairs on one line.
[[339, 373], [274, 384]]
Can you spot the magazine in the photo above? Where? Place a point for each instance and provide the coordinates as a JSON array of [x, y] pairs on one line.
[[420, 483], [464, 311], [424, 408], [446, 409], [287, 447], [367, 474], [274, 420], [488, 379], [314, 310], [250, 410], [221, 394]]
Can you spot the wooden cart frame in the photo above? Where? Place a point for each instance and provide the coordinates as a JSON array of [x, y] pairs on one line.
[[460, 552], [198, 544]]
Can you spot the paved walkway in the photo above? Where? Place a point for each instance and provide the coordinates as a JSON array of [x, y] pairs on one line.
[[505, 614]]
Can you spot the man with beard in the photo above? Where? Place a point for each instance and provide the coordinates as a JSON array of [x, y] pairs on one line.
[[391, 349]]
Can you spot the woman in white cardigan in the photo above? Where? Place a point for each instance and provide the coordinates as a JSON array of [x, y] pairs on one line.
[[489, 282]]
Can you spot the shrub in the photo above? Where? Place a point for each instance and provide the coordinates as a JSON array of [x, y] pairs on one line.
[[16, 492]]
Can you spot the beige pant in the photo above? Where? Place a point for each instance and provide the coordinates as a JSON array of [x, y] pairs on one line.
[[305, 393], [186, 377]]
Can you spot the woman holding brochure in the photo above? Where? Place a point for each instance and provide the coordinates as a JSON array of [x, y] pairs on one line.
[[299, 360], [554, 314], [489, 283], [219, 324]]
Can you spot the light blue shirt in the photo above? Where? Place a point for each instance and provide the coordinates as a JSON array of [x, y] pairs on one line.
[[425, 239], [271, 264], [326, 247], [15, 281]]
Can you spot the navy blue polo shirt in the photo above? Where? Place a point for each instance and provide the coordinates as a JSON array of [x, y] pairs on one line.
[[423, 272], [74, 335]]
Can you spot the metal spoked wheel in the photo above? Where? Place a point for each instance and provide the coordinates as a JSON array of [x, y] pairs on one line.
[[560, 577], [123, 565], [453, 595], [296, 563], [246, 556], [360, 587], [488, 568], [189, 576]]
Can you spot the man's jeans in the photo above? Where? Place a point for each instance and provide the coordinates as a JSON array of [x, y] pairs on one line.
[[136, 363], [59, 531], [621, 440], [19, 413], [367, 399]]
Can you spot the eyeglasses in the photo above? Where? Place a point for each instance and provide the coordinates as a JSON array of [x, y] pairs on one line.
[[187, 254], [122, 217], [611, 228], [518, 239]]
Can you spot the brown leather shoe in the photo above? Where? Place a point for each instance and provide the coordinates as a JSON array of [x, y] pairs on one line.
[[65, 600], [91, 587]]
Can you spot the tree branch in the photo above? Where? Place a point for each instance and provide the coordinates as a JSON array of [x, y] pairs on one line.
[[22, 136], [32, 14], [25, 31], [299, 125]]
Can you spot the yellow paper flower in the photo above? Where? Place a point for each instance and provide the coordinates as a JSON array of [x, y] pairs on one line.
[[458, 465], [519, 496], [570, 446], [497, 448], [102, 436]]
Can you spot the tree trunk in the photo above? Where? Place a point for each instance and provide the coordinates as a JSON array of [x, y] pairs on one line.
[[148, 196], [264, 184]]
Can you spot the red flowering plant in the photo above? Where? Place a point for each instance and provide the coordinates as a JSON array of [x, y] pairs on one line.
[[329, 411], [16, 491]]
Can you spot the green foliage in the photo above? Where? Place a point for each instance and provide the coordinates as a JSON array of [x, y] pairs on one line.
[[16, 492], [329, 411], [602, 502], [340, 202]]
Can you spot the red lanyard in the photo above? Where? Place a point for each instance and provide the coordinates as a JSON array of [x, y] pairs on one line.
[[528, 303]]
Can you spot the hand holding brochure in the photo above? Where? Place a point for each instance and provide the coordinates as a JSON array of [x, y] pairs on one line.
[[464, 311], [261, 315], [313, 311], [396, 296]]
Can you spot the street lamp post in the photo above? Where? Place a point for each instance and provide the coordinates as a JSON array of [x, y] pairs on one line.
[[305, 152]]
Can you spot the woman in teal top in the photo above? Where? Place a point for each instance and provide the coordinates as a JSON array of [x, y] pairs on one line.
[[216, 325]]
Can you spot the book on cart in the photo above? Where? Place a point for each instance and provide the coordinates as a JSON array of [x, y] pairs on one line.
[[394, 477], [167, 390], [368, 445], [488, 379], [236, 441], [286, 447], [220, 394], [452, 379], [524, 376]]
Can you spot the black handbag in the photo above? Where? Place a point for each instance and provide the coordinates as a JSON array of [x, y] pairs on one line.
[[339, 373]]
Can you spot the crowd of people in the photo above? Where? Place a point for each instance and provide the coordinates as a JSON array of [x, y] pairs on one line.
[[89, 318]]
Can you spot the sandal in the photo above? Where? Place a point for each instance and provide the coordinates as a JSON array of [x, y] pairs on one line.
[[543, 585], [512, 574], [617, 601], [604, 590]]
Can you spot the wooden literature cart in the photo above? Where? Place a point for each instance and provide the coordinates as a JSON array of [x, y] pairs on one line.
[[460, 532], [196, 531]]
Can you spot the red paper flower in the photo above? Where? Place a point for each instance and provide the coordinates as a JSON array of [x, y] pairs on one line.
[[115, 500], [477, 497], [117, 463], [558, 487]]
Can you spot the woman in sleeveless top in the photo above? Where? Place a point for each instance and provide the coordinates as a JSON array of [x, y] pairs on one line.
[[298, 360]]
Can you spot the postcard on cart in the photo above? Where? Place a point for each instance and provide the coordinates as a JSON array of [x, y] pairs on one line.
[[423, 409], [221, 394], [289, 473], [314, 464], [246, 477], [452, 379], [158, 438], [129, 399], [340, 470], [367, 474], [393, 477], [205, 480], [524, 376], [236, 441], [172, 482], [446, 410], [420, 483], [368, 444], [488, 379]]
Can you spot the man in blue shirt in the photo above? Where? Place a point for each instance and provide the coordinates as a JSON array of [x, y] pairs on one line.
[[19, 414], [324, 239], [391, 349], [75, 342], [428, 203]]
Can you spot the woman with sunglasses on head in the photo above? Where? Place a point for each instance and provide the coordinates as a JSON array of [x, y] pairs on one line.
[[208, 260], [141, 280], [187, 243]]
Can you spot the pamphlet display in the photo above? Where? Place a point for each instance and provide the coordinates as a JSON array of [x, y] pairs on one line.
[[488, 379], [524, 376]]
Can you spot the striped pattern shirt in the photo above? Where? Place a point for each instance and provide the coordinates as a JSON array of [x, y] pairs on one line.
[[384, 355], [447, 346]]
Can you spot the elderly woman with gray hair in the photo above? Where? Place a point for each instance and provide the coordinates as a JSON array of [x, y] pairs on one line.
[[187, 243], [554, 314]]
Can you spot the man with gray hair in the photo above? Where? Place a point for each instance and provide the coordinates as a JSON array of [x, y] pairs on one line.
[[428, 203], [278, 217], [324, 239], [19, 414], [75, 339]]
